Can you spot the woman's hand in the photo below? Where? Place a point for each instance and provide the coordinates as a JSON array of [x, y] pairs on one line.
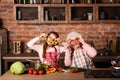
[[82, 41], [65, 44]]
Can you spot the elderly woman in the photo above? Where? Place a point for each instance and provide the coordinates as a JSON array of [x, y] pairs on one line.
[[82, 52]]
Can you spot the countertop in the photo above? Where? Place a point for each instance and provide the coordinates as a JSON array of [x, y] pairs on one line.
[[52, 76]]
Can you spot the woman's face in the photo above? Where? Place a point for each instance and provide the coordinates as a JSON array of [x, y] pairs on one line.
[[74, 41], [52, 40]]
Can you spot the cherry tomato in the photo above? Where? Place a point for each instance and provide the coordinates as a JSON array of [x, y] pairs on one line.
[[35, 72], [30, 71], [41, 72]]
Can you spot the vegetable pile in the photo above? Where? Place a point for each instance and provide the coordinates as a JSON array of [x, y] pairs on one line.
[[18, 68]]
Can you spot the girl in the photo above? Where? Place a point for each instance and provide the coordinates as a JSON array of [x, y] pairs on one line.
[[82, 52], [50, 51]]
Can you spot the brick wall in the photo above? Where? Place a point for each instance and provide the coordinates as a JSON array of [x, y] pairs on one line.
[[24, 32]]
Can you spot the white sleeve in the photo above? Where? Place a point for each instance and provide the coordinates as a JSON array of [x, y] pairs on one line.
[[37, 47], [31, 43]]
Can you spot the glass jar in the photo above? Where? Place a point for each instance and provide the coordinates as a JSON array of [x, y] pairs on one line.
[[90, 16]]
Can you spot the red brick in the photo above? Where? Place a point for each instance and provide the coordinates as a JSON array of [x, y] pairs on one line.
[[29, 28], [115, 28], [82, 28], [36, 32], [105, 37], [109, 33], [93, 37], [15, 37], [11, 1], [8, 6], [93, 28], [4, 2], [22, 32], [94, 33]]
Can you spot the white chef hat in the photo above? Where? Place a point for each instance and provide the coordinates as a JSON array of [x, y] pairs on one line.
[[74, 35]]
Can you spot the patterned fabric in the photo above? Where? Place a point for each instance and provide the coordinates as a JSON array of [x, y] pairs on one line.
[[51, 57], [80, 59]]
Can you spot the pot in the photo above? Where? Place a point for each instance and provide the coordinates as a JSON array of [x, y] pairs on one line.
[[116, 73]]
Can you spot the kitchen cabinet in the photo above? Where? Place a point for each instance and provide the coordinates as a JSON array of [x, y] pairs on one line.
[[67, 11]]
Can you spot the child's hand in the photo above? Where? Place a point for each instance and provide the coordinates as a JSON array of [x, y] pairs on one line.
[[43, 35]]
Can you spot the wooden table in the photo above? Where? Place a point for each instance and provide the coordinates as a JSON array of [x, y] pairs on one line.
[[52, 76]]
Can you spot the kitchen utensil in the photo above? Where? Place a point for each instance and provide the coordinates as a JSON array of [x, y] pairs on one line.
[[116, 73], [116, 68]]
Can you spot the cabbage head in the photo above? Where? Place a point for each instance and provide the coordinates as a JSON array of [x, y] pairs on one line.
[[17, 68]]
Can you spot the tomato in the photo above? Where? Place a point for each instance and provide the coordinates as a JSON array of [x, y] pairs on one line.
[[41, 72], [59, 69], [74, 71], [35, 72], [30, 71]]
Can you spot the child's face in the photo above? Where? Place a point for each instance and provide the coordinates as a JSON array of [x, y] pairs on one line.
[[52, 40]]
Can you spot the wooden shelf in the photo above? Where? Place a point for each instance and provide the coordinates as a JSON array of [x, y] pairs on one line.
[[73, 13], [21, 56]]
